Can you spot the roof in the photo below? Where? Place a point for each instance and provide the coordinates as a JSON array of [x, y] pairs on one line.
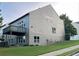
[[2, 25], [19, 18]]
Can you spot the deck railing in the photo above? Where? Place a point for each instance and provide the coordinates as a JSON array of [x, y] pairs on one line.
[[14, 29]]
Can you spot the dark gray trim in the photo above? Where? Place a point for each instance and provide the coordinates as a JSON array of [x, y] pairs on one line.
[[19, 18]]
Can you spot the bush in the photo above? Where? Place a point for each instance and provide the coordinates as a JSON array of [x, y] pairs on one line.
[[25, 45], [4, 44], [37, 45], [13, 45], [31, 45]]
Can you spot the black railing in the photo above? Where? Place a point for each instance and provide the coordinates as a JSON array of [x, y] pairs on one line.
[[14, 29]]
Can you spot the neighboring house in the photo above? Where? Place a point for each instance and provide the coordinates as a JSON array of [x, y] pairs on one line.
[[75, 37], [39, 27]]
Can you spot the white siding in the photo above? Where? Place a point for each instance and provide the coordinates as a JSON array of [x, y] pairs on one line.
[[41, 22]]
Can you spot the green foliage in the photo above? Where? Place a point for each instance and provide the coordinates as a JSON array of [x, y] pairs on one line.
[[1, 19], [69, 28], [70, 53]]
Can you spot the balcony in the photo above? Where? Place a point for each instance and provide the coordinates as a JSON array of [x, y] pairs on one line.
[[14, 30]]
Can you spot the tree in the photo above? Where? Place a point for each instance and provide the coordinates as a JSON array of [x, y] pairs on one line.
[[70, 30], [1, 19]]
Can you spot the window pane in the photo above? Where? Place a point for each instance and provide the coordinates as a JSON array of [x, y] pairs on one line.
[[38, 40], [38, 37], [35, 40], [53, 30], [34, 37]]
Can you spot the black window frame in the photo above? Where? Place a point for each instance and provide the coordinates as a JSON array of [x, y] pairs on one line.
[[53, 30], [36, 39]]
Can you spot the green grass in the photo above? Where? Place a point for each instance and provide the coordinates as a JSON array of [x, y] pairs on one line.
[[70, 53], [36, 50]]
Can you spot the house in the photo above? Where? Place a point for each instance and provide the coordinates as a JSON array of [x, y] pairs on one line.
[[38, 27], [75, 37]]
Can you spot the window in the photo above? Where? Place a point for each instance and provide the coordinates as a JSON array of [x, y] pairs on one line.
[[18, 23], [36, 39], [31, 26], [24, 41], [24, 25], [21, 41], [22, 21], [53, 30], [11, 40]]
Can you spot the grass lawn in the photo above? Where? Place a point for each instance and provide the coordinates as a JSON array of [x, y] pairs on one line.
[[36, 50], [70, 53]]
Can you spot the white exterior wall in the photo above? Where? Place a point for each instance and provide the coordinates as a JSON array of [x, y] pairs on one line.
[[41, 22]]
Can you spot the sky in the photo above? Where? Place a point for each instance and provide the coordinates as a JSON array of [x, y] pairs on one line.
[[11, 11]]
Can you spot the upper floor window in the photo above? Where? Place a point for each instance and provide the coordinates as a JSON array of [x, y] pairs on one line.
[[53, 30], [22, 21], [22, 25]]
